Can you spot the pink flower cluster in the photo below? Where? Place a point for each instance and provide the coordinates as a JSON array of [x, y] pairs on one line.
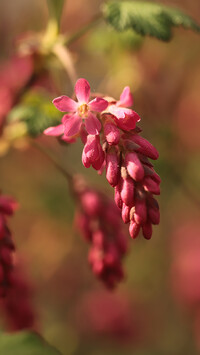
[[14, 75], [17, 306], [7, 207], [111, 139], [99, 222], [130, 172]]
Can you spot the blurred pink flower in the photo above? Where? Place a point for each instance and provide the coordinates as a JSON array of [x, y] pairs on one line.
[[185, 272], [111, 315], [98, 220], [14, 76], [7, 207], [17, 306]]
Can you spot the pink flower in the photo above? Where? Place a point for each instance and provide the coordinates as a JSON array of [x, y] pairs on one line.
[[58, 131], [125, 118], [83, 109], [93, 153]]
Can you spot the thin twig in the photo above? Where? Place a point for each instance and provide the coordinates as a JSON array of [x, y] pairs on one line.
[[65, 58], [58, 166], [74, 37]]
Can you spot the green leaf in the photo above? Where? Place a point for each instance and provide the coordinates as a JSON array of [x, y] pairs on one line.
[[37, 112], [25, 343], [147, 18]]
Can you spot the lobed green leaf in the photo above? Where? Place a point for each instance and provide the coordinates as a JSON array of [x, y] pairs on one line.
[[147, 18]]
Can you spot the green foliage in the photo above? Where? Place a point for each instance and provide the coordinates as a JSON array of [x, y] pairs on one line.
[[147, 18], [25, 343], [37, 112]]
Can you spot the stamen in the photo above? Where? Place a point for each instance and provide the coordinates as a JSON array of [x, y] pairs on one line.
[[83, 110]]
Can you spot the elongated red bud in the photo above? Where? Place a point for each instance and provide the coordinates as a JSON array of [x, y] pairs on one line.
[[154, 215], [140, 214], [112, 169], [134, 229], [118, 199], [147, 230], [127, 193], [125, 213], [112, 133], [134, 166], [146, 147], [151, 186]]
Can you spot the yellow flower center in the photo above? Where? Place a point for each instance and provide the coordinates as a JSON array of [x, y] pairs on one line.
[[83, 110]]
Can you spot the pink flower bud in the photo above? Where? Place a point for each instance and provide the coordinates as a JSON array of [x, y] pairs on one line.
[[98, 239], [125, 213], [121, 242], [146, 147], [112, 133], [147, 230], [151, 186], [6, 256], [2, 226], [140, 214], [127, 192], [118, 199], [98, 163], [91, 203], [149, 171], [134, 166], [112, 255], [92, 152], [134, 229], [82, 222], [154, 215], [112, 169]]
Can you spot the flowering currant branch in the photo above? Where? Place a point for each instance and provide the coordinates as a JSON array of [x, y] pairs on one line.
[[111, 140]]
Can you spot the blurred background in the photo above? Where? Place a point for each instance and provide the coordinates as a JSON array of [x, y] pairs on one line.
[[156, 310]]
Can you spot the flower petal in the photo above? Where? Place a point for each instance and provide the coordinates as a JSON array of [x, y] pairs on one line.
[[65, 104], [98, 104], [92, 124], [68, 139], [126, 98], [54, 131], [125, 118], [82, 90], [72, 125]]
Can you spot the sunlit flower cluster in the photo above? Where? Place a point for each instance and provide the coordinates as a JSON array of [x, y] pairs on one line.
[[112, 141]]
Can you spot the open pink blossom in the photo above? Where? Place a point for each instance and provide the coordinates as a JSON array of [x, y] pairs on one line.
[[125, 117], [83, 109]]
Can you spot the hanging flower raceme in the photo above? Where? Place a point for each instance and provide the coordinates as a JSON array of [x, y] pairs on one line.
[[98, 221], [112, 140], [7, 208], [17, 306]]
